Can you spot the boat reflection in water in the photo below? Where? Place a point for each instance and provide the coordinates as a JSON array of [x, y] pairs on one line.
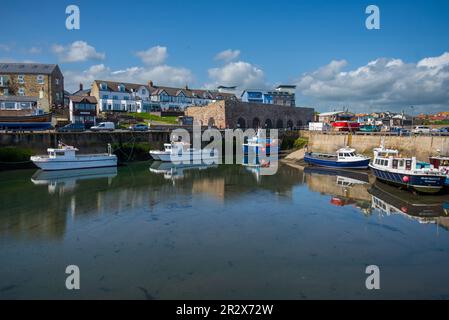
[[66, 180], [353, 188], [389, 200], [173, 171], [346, 187]]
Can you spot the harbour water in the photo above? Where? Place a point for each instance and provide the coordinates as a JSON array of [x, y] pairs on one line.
[[151, 231]]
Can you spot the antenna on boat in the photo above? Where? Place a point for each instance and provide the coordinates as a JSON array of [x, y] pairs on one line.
[[109, 149]]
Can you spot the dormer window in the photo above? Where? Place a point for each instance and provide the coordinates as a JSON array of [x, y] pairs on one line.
[[103, 87], [121, 88]]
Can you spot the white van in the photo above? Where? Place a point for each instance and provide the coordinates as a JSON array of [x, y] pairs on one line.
[[104, 126]]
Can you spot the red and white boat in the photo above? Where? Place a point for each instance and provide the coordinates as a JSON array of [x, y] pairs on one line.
[[345, 122]]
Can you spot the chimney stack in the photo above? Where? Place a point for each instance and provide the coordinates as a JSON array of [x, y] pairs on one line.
[[150, 84], [81, 87]]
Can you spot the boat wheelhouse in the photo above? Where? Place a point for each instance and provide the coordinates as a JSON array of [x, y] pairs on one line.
[[345, 158], [390, 167], [181, 152], [441, 163], [259, 150]]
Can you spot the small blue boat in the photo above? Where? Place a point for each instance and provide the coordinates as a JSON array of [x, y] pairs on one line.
[[258, 147], [345, 158]]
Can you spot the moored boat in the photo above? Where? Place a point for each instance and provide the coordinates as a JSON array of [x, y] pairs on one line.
[[258, 148], [65, 158], [441, 163], [345, 158], [390, 167], [181, 152], [19, 120]]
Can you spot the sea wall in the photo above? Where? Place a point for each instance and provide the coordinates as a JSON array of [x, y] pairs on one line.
[[420, 146], [85, 141]]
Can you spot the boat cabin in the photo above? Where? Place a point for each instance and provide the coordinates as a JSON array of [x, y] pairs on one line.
[[439, 162], [65, 152], [390, 159]]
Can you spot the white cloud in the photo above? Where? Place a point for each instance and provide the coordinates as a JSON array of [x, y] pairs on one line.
[[228, 55], [5, 47], [35, 50], [162, 75], [78, 51], [153, 56], [381, 84], [241, 74]]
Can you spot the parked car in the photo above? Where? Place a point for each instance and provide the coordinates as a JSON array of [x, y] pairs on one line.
[[400, 131], [104, 126], [444, 130], [72, 127], [422, 129], [139, 127]]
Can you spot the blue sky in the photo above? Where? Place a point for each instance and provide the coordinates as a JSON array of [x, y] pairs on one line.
[[323, 46]]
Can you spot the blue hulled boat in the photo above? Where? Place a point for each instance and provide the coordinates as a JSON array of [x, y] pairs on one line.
[[345, 158], [259, 147], [389, 167]]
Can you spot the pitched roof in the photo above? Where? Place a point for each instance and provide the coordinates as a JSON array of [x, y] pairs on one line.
[[113, 85], [18, 98], [88, 99], [171, 91], [33, 68]]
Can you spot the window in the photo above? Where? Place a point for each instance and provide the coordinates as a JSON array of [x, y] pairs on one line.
[[115, 97], [103, 86], [21, 91], [21, 78], [57, 81], [105, 96], [6, 91], [121, 88], [10, 105], [40, 79], [4, 80], [144, 91]]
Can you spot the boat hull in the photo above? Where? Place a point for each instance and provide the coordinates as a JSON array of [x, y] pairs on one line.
[[345, 126], [185, 157], [420, 183], [46, 117], [25, 125], [360, 164], [47, 164]]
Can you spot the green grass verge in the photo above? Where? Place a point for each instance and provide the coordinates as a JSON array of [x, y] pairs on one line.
[[151, 117]]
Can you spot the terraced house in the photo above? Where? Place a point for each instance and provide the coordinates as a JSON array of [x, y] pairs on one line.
[[43, 82], [129, 97]]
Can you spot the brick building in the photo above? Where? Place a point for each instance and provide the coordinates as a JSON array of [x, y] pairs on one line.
[[42, 81], [236, 114]]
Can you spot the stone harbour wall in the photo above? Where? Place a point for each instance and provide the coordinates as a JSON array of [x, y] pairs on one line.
[[86, 142], [420, 146]]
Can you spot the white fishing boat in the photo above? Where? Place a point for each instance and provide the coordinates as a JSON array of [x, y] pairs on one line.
[[181, 152], [388, 166], [65, 158]]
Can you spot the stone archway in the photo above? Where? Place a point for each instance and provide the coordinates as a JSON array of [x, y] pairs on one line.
[[268, 124], [290, 124], [280, 124], [241, 123], [256, 123]]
